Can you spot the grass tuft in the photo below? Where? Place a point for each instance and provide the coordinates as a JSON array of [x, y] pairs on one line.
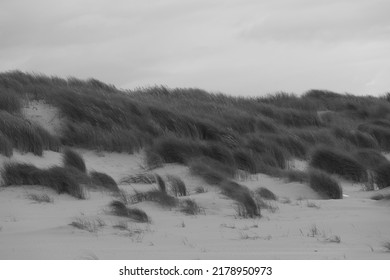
[[266, 194], [73, 159], [325, 185], [104, 180], [177, 186], [6, 147], [337, 162]]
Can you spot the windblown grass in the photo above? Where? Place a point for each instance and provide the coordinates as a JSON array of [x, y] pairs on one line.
[[9, 101], [336, 162], [325, 185], [6, 148], [178, 188], [104, 180], [58, 178], [382, 175], [73, 159]]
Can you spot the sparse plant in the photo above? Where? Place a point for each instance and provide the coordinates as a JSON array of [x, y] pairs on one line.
[[90, 225], [40, 198], [312, 205], [386, 245]]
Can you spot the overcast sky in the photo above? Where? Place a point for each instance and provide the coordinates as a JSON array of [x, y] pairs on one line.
[[239, 47]]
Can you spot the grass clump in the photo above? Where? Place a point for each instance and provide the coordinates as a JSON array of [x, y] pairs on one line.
[[58, 178], [370, 158], [337, 162], [90, 225], [242, 196], [178, 188], [325, 185], [22, 134], [118, 208], [140, 178], [9, 101], [6, 147], [104, 180], [40, 198], [266, 194], [382, 175], [157, 196], [189, 207], [211, 171], [73, 159]]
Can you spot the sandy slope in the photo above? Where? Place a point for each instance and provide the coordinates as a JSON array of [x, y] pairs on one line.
[[298, 226], [32, 230]]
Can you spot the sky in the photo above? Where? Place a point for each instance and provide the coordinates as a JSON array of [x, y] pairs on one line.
[[237, 47]]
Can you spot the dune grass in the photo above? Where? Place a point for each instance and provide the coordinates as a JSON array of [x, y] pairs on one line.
[[58, 178], [337, 162], [183, 124], [10, 101], [178, 187], [382, 175], [73, 159], [325, 185], [104, 180], [266, 194], [6, 147]]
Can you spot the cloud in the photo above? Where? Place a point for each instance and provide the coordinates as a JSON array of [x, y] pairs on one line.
[[235, 46]]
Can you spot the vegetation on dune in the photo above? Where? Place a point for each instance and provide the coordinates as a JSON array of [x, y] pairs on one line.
[[382, 175], [178, 187], [337, 162], [62, 180], [6, 148], [9, 101], [104, 180], [73, 159], [214, 134], [324, 184]]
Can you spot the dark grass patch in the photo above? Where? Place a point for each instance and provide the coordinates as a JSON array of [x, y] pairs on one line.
[[104, 180], [219, 152], [380, 133], [337, 162], [189, 207], [294, 175], [211, 171], [325, 185], [266, 194], [58, 178], [369, 158], [23, 135], [290, 143], [269, 153], [73, 159], [382, 175], [245, 160], [178, 187], [9, 101], [176, 150], [140, 178], [161, 184], [138, 215], [157, 196], [113, 139], [6, 147], [381, 197], [241, 195], [357, 138]]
